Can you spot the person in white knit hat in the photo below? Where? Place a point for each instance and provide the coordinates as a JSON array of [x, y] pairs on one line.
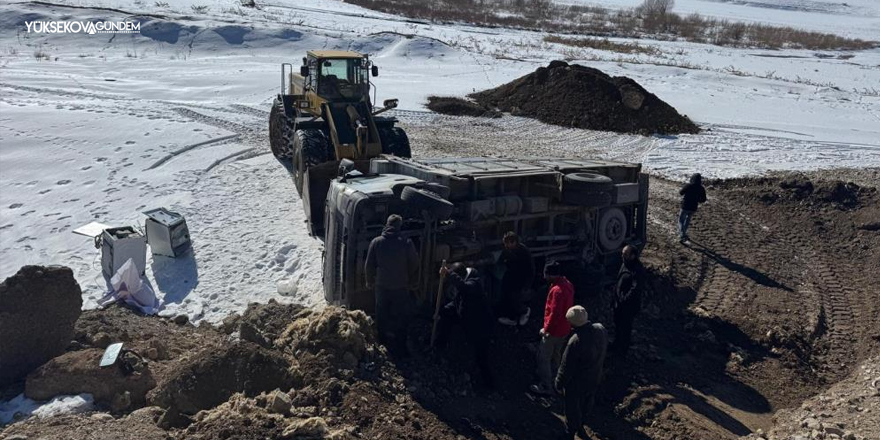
[[580, 371]]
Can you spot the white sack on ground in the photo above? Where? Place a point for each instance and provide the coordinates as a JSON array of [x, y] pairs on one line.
[[127, 286]]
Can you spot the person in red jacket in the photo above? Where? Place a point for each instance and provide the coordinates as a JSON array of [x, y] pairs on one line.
[[556, 327]]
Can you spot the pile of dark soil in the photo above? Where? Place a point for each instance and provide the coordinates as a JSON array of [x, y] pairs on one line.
[[583, 97], [450, 105]]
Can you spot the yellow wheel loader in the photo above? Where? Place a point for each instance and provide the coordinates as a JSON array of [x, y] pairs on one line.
[[324, 115]]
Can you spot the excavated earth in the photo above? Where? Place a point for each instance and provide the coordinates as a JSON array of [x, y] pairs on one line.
[[766, 325], [572, 95]]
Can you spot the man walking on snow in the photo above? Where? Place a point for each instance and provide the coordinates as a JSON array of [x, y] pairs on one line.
[[556, 327], [392, 268], [692, 194], [519, 270], [580, 371]]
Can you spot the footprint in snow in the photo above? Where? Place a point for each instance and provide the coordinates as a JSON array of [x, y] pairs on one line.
[[63, 182], [16, 205], [45, 191], [86, 167]]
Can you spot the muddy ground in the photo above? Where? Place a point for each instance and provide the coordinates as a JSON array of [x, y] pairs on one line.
[[773, 303]]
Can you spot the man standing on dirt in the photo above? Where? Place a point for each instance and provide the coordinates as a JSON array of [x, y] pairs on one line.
[[628, 298], [555, 328], [580, 370], [470, 308], [392, 268], [519, 271], [692, 194]]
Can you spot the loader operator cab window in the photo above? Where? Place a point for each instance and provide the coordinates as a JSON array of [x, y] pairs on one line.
[[343, 78]]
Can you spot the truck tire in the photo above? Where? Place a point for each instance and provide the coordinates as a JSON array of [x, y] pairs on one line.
[[428, 201], [309, 149], [395, 141], [587, 182], [587, 189], [612, 229], [280, 131]]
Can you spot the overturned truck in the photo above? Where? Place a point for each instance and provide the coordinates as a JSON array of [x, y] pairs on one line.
[[579, 212]]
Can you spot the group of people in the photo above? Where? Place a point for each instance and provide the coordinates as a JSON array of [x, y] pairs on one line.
[[572, 349]]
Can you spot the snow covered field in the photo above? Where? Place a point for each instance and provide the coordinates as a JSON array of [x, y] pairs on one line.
[[102, 127]]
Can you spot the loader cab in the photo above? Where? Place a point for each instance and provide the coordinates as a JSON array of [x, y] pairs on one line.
[[337, 75]]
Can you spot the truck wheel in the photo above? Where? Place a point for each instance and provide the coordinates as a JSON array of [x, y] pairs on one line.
[[587, 189], [426, 200], [588, 182], [280, 130], [309, 149], [612, 229], [395, 141]]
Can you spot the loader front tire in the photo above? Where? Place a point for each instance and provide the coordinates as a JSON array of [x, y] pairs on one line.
[[395, 141], [280, 133], [309, 149]]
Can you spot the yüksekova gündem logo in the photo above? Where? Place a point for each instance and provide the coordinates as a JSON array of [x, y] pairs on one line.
[[83, 27]]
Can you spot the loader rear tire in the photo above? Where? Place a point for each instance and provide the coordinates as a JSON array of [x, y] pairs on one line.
[[420, 199], [280, 133], [309, 149], [395, 141]]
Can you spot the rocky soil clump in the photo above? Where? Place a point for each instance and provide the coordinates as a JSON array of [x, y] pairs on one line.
[[30, 299], [450, 105], [584, 97]]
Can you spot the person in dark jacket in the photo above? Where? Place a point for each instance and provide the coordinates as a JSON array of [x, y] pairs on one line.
[[692, 195], [470, 308], [519, 272], [628, 298], [580, 371], [392, 269]]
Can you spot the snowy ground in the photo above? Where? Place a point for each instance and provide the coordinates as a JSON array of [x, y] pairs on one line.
[[109, 126], [861, 17]]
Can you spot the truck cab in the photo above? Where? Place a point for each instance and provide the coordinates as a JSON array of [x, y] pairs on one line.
[[580, 212]]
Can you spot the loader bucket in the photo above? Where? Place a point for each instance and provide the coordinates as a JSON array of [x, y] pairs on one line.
[[316, 183]]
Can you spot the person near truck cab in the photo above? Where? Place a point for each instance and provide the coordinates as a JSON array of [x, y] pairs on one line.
[[628, 298], [580, 370], [560, 298], [692, 195], [519, 271], [392, 268], [470, 308]]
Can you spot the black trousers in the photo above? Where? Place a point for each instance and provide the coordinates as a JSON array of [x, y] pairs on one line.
[[513, 301], [479, 341], [577, 405], [392, 318], [624, 316]]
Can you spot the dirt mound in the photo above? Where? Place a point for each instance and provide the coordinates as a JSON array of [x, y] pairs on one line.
[[342, 336], [583, 97], [450, 105], [263, 323], [818, 193], [78, 372], [30, 299], [243, 418], [139, 425], [211, 376]]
